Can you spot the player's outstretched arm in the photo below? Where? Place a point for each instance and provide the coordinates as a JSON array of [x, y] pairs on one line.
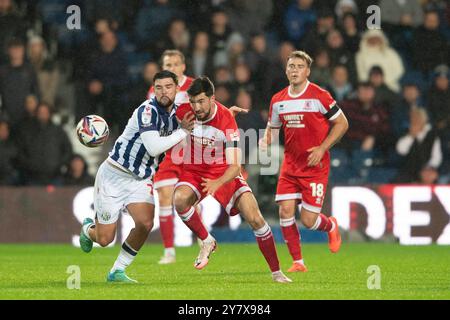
[[338, 129], [233, 156], [156, 145]]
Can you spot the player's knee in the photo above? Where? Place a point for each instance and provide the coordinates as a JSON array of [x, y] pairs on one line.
[[308, 220], [286, 212], [256, 221], [165, 195], [104, 240], [145, 225], [181, 202]]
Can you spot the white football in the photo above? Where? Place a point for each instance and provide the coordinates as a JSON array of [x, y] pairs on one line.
[[92, 131]]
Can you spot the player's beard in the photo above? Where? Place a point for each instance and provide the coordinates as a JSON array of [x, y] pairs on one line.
[[165, 102], [204, 117]]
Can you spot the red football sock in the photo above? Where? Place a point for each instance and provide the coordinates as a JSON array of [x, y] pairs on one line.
[[292, 238], [323, 223], [166, 225], [192, 220], [266, 244]]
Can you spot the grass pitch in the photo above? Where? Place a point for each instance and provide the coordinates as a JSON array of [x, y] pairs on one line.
[[235, 271]]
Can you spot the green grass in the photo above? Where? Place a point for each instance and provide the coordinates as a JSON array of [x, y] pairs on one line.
[[235, 271]]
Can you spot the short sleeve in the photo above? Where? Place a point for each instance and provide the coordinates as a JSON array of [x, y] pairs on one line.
[[232, 135], [274, 116], [147, 119], [329, 108]]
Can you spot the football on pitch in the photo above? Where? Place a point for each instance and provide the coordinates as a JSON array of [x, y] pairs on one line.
[[92, 131]]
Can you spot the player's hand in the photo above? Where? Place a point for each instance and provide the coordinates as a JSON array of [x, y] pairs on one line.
[[210, 186], [263, 144], [316, 154], [236, 110], [188, 121]]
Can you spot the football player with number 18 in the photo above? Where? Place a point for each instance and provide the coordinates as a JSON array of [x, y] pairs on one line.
[[304, 111]]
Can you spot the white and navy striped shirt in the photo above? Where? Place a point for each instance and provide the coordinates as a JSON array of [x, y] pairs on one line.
[[129, 152]]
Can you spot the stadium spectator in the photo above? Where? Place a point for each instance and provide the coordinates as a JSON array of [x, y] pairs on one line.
[[405, 13], [375, 50], [420, 148], [242, 80], [222, 75], [48, 75], [399, 19], [439, 99], [107, 10], [249, 16], [350, 32], [383, 95], [429, 47], [44, 150], [17, 81], [340, 87], [411, 99], [250, 120], [258, 57], [9, 152], [77, 173], [339, 54], [29, 120], [299, 19], [369, 124], [178, 37], [138, 91], [107, 80], [220, 33], [344, 7], [276, 70], [200, 60], [152, 21], [11, 26], [317, 36], [234, 51], [223, 94], [321, 69]]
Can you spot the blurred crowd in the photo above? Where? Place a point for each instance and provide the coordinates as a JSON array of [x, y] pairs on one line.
[[392, 83]]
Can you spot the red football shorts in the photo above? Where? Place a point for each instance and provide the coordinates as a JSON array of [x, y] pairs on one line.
[[167, 175], [225, 195], [308, 190]]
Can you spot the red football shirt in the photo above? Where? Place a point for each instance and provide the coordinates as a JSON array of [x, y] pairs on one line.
[[205, 150], [304, 118]]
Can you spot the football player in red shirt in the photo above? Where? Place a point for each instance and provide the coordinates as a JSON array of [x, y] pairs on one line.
[[211, 166], [168, 172], [304, 111]]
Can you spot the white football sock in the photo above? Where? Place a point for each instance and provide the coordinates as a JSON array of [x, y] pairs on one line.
[[125, 258]]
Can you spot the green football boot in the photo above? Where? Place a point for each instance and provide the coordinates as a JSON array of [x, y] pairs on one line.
[[85, 242], [119, 276]]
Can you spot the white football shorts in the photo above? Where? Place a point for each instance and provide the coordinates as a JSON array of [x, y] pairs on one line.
[[115, 189]]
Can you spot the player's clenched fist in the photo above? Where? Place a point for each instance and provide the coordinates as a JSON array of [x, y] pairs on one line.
[[188, 121]]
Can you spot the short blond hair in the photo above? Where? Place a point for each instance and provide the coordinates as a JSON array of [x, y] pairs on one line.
[[170, 53], [302, 55]]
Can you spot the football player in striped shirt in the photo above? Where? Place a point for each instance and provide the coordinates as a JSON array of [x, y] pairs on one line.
[[124, 180]]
